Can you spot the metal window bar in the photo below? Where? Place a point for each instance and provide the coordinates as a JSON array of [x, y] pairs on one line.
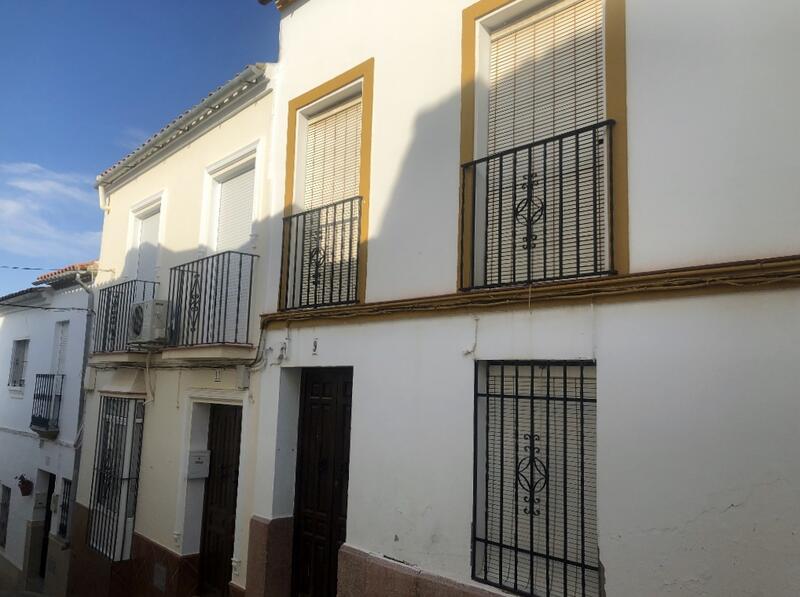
[[534, 529], [5, 506], [63, 515], [210, 300], [47, 391], [320, 256], [19, 362], [115, 479], [113, 313], [540, 212]]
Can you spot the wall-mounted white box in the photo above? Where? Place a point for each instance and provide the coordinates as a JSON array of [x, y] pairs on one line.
[[198, 464]]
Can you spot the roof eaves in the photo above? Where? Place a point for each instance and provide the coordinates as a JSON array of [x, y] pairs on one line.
[[220, 101]]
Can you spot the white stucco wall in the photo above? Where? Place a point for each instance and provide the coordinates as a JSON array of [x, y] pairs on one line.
[[697, 435], [711, 124], [21, 450]]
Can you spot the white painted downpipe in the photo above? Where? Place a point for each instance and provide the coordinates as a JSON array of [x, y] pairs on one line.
[[101, 197]]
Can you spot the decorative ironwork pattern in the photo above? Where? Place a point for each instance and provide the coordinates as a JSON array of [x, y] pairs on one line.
[[539, 212], [534, 508], [210, 300], [115, 481], [114, 310], [320, 255], [47, 401]]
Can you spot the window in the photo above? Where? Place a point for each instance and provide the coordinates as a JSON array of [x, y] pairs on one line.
[[115, 482], [5, 506], [63, 518], [60, 346], [326, 200], [234, 220], [333, 155], [19, 362], [535, 505], [537, 206]]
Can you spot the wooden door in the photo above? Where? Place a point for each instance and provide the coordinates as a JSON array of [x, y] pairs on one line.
[[219, 511], [323, 462]]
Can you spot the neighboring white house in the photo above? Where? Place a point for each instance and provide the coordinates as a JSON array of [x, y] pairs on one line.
[[42, 346]]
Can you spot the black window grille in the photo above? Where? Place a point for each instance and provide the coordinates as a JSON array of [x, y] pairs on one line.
[[63, 515], [210, 299], [5, 506], [114, 311], [115, 482], [320, 255], [47, 393], [539, 212], [19, 362], [534, 507]]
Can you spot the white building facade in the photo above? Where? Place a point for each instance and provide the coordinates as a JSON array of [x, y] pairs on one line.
[[527, 274], [42, 344], [537, 313]]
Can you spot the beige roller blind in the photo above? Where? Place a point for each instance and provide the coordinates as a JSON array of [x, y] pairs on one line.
[[235, 212], [546, 74], [333, 156]]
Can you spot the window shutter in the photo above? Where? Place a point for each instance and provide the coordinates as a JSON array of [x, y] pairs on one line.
[[546, 75], [60, 347], [235, 212], [333, 156], [148, 247]]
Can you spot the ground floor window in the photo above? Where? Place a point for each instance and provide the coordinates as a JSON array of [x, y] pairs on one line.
[[115, 480], [5, 505], [534, 504]]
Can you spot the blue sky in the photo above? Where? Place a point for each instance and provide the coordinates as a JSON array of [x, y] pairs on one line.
[[84, 82]]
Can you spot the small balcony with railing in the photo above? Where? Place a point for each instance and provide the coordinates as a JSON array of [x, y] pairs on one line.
[[47, 393], [320, 263], [211, 303], [113, 315], [540, 212]]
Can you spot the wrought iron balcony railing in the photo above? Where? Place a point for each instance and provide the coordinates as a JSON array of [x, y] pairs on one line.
[[320, 255], [539, 212], [47, 403], [210, 300], [114, 311]]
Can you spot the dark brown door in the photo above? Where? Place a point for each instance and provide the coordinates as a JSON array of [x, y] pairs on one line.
[[219, 511], [323, 462]]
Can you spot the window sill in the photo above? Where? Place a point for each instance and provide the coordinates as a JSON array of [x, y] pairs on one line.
[[16, 392]]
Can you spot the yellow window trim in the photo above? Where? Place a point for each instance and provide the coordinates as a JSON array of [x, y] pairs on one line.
[[615, 105], [364, 72]]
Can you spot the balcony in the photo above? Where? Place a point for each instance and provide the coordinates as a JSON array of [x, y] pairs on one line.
[[47, 404], [210, 300], [540, 212], [113, 314], [320, 256]]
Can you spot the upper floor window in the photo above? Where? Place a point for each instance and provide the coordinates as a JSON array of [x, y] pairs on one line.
[[537, 207], [60, 347], [332, 160], [19, 363], [235, 209], [324, 230], [144, 248]]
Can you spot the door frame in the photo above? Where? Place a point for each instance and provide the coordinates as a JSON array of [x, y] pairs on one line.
[[204, 512], [301, 429]]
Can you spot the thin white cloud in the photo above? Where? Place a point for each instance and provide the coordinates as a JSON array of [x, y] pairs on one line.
[[41, 183], [47, 214]]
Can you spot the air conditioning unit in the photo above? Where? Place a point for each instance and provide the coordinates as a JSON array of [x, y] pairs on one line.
[[148, 322]]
